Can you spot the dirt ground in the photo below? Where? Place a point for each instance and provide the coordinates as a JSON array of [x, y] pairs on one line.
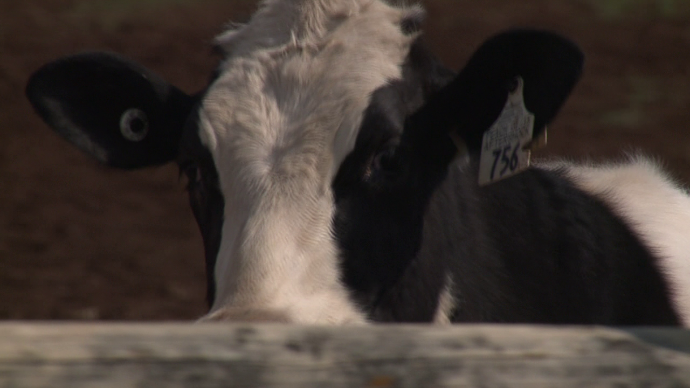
[[80, 241]]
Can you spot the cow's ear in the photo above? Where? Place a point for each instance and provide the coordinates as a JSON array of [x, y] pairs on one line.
[[113, 109], [548, 64]]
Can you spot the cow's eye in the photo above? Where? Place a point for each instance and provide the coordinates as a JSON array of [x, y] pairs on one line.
[[384, 160], [383, 164]]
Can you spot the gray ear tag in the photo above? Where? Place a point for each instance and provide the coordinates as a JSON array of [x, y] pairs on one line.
[[506, 145], [134, 125]]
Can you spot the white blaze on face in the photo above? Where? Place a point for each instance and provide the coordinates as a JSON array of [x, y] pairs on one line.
[[279, 120]]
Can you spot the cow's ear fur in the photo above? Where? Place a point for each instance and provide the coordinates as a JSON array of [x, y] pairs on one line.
[[115, 110], [550, 66]]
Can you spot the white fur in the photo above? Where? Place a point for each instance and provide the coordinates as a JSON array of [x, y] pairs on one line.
[[654, 206], [278, 121], [446, 304]]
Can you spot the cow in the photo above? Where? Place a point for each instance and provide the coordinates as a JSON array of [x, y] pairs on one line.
[[340, 174]]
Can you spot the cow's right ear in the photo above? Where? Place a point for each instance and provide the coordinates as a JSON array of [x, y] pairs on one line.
[[112, 108], [546, 64]]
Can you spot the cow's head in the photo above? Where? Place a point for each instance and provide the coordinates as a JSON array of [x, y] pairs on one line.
[[314, 150]]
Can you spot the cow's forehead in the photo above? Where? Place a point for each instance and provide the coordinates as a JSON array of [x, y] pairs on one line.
[[297, 78]]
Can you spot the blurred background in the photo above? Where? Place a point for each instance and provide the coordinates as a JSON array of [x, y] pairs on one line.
[[81, 241]]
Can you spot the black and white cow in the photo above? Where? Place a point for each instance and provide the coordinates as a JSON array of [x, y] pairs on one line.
[[325, 174]]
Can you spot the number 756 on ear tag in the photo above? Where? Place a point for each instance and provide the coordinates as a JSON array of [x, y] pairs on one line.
[[505, 145]]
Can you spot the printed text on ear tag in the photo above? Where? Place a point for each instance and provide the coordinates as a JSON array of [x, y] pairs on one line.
[[503, 146]]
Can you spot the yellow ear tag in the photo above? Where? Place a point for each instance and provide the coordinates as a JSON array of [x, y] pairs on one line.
[[506, 145], [538, 143]]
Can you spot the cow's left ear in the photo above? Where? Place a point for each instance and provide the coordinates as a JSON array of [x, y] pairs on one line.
[[547, 66], [112, 108]]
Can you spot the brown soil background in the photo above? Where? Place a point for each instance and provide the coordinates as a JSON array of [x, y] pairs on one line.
[[81, 241]]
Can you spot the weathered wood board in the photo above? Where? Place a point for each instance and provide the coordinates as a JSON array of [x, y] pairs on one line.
[[223, 355]]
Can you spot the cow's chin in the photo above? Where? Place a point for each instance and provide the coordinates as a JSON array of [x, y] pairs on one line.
[[324, 310], [249, 315], [228, 314]]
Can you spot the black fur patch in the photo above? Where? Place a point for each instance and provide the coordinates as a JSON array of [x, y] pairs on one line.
[[83, 97], [205, 197], [412, 23], [532, 248], [378, 224]]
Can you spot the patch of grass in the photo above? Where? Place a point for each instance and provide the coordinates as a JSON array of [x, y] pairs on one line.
[[617, 9], [628, 117], [643, 91]]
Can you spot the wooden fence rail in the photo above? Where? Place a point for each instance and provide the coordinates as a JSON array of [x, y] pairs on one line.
[[221, 355]]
